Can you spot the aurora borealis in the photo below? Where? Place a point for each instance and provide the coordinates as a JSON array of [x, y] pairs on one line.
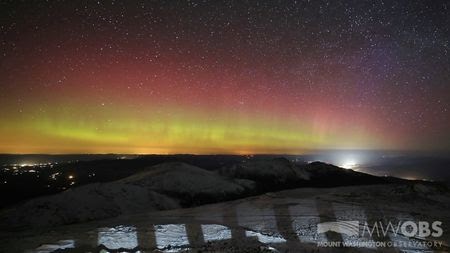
[[232, 77]]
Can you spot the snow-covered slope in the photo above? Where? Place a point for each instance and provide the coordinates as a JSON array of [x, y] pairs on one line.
[[180, 179], [285, 221], [272, 172], [173, 185], [164, 186]]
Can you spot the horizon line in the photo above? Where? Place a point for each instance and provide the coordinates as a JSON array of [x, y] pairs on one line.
[[312, 151]]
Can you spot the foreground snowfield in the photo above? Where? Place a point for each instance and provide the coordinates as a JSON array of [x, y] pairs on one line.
[[285, 221]]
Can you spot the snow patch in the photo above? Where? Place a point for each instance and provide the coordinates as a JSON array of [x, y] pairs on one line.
[[62, 244], [171, 237], [266, 239], [118, 237], [214, 232]]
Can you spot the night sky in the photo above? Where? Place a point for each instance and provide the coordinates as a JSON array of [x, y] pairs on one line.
[[223, 77]]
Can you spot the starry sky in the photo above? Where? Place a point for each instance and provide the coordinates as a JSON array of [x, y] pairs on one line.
[[232, 77]]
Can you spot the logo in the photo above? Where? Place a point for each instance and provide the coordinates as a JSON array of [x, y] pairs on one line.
[[405, 228], [380, 229]]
